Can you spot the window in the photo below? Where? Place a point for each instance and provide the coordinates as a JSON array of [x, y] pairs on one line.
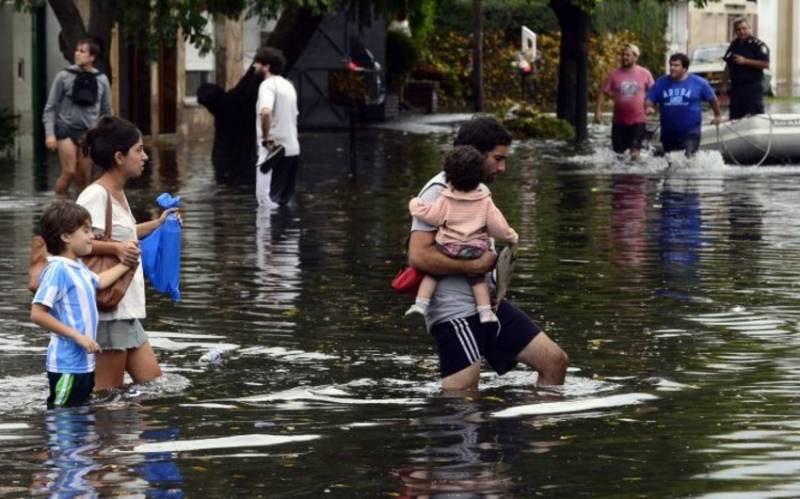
[[193, 80], [199, 68]]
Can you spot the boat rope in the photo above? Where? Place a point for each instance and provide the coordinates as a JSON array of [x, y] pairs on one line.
[[724, 145]]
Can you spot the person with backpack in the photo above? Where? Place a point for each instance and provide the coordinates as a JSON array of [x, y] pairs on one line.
[[79, 97]]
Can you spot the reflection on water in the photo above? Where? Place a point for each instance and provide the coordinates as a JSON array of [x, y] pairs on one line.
[[680, 239], [462, 461], [80, 459], [277, 259], [673, 288], [629, 220], [71, 443]]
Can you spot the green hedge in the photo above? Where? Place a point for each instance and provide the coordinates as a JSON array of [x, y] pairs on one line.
[[645, 19]]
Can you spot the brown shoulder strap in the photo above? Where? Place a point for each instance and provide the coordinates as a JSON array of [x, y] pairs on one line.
[[107, 234]]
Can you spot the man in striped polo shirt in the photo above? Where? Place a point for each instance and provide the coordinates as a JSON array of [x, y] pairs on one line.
[[65, 303], [452, 319]]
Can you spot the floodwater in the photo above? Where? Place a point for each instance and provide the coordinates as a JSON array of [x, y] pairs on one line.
[[674, 289]]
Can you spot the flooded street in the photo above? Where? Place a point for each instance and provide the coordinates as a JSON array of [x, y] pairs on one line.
[[675, 290]]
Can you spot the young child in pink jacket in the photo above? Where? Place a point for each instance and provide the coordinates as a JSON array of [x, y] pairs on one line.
[[467, 218]]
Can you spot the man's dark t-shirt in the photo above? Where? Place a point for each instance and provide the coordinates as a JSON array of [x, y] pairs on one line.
[[752, 48]]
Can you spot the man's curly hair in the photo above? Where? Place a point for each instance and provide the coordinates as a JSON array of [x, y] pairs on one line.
[[484, 133], [464, 168]]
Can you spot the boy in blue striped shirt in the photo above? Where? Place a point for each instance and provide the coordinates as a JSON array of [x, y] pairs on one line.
[[65, 303]]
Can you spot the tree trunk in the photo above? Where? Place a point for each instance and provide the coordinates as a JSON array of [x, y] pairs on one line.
[[573, 77], [477, 54], [293, 31], [72, 27], [228, 50], [101, 21]]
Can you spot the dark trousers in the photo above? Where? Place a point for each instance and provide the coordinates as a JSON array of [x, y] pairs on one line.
[[746, 99], [688, 144], [284, 176], [624, 137]]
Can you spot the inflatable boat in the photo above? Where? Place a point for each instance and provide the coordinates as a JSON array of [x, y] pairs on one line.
[[755, 140]]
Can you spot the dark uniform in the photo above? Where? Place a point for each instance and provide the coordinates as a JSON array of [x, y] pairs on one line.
[[747, 92]]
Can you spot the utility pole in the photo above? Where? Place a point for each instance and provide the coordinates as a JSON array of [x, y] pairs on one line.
[[477, 54]]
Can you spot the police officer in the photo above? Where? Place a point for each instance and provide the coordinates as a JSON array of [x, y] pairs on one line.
[[747, 58]]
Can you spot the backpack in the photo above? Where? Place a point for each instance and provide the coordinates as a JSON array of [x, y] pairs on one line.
[[84, 88]]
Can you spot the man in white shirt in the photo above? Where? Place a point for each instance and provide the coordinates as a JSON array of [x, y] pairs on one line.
[[276, 130]]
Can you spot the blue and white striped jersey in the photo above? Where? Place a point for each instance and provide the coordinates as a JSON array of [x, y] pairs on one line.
[[67, 287]]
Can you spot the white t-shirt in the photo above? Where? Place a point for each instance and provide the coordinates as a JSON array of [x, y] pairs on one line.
[[278, 94], [123, 228]]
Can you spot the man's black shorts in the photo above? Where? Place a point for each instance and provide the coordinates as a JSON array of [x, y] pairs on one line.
[[462, 342], [689, 144], [746, 99], [68, 390], [624, 137], [74, 134]]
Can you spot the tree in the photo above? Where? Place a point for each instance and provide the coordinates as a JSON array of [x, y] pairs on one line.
[[574, 19], [477, 54], [156, 23], [573, 74]]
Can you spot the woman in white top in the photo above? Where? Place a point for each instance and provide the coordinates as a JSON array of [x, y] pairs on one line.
[[115, 146]]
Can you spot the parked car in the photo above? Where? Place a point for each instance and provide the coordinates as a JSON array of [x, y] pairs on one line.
[[706, 61]]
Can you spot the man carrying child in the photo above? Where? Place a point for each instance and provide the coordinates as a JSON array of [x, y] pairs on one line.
[[461, 339]]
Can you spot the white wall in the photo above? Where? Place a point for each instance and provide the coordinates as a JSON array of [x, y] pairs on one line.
[[768, 32], [253, 30], [55, 60], [677, 35], [195, 61], [16, 65], [795, 86]]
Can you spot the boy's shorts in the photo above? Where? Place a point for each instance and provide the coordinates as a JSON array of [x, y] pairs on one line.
[[462, 342], [68, 390]]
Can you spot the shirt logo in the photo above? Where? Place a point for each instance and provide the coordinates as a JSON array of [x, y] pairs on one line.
[[677, 96], [628, 89]]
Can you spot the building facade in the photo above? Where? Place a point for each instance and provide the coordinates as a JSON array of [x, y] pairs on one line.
[[776, 22]]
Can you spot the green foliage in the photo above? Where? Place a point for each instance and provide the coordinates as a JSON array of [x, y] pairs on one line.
[[507, 16], [401, 57], [421, 15], [152, 23], [8, 130], [446, 58], [644, 20], [449, 64], [525, 121]]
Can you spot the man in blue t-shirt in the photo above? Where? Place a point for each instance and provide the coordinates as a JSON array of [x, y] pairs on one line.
[[679, 96]]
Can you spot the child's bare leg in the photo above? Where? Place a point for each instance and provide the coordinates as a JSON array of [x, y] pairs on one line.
[[480, 290], [426, 288]]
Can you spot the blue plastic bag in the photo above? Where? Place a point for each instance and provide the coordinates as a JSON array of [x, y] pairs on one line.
[[161, 251]]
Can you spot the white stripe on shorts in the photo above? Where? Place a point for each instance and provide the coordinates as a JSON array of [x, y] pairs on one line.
[[464, 334]]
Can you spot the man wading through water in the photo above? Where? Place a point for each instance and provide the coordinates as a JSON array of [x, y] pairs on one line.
[[79, 97], [461, 339]]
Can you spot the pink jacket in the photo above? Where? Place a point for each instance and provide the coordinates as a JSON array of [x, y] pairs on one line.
[[464, 217]]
